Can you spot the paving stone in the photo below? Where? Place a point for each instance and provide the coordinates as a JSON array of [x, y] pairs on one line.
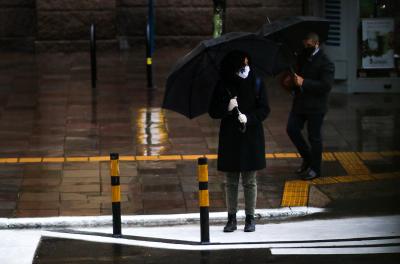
[[39, 196], [84, 188]]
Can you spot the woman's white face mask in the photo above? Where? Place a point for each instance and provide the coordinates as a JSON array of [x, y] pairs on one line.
[[243, 72]]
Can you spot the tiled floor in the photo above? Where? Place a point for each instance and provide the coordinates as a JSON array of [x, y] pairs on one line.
[[50, 116]]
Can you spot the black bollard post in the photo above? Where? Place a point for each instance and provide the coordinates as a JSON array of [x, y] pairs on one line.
[[115, 194], [93, 59], [204, 202], [150, 43]]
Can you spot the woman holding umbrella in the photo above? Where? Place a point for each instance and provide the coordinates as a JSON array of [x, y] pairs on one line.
[[240, 101]]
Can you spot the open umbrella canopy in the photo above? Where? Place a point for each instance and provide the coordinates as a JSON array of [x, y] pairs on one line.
[[292, 30], [191, 83]]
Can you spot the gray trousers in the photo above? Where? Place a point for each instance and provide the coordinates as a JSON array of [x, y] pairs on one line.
[[249, 182]]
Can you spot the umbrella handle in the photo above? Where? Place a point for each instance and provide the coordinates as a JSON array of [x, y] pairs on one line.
[[242, 127]]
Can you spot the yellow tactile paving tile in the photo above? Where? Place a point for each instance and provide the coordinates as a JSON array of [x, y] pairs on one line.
[[30, 160], [370, 155], [146, 158], [99, 158], [56, 159], [8, 160], [286, 155], [192, 157], [325, 180], [76, 159], [170, 157], [295, 193], [292, 201], [344, 179], [351, 163], [211, 156], [127, 158], [328, 156]]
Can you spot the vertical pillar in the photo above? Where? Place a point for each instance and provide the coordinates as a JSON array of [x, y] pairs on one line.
[[150, 43], [93, 58], [204, 202], [115, 194]]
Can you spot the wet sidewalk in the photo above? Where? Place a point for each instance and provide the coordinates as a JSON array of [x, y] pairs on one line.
[[372, 239], [56, 133]]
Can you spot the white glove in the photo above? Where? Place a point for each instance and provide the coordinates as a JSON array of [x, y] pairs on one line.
[[232, 104], [242, 118]]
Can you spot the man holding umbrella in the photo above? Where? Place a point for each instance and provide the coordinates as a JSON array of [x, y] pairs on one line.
[[240, 101], [312, 84]]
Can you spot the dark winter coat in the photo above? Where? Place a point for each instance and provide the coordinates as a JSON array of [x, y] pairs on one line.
[[318, 73], [239, 151]]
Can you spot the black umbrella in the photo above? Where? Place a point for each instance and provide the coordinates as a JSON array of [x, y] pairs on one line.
[[292, 30], [191, 82]]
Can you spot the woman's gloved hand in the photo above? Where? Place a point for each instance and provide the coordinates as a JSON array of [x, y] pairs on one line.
[[242, 118], [232, 104]]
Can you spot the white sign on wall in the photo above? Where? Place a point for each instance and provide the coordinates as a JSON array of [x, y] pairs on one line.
[[377, 43]]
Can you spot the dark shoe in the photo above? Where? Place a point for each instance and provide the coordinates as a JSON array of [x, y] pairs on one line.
[[310, 174], [232, 224], [305, 165], [250, 224]]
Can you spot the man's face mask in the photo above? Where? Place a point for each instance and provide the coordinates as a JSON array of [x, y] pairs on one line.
[[243, 72], [310, 47], [308, 51]]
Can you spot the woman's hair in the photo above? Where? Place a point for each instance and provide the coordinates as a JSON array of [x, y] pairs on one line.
[[232, 62]]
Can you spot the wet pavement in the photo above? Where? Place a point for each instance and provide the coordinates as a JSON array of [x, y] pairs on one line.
[[55, 250], [337, 239], [56, 132]]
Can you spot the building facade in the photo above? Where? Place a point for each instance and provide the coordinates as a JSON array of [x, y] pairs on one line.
[[363, 42]]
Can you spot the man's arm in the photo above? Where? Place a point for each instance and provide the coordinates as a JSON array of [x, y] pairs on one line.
[[324, 83]]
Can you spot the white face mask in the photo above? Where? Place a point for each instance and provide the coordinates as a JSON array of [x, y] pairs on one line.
[[244, 72]]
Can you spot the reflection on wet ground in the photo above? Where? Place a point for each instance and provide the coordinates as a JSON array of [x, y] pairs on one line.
[[54, 250], [151, 131], [48, 109], [378, 128]]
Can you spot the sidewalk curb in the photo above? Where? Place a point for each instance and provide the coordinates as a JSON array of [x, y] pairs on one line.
[[147, 220]]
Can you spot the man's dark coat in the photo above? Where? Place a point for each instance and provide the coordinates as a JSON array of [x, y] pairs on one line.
[[318, 74]]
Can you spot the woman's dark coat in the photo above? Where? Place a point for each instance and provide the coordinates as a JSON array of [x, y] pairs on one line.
[[239, 151]]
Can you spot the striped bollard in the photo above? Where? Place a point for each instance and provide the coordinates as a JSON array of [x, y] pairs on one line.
[[204, 200], [115, 194]]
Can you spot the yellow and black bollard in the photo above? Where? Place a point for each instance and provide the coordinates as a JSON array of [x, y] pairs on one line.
[[115, 194], [204, 202]]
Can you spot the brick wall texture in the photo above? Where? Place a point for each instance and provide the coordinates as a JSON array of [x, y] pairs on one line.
[[64, 24]]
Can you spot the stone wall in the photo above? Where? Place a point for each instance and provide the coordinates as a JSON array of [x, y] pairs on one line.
[[186, 22], [63, 25], [17, 24]]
